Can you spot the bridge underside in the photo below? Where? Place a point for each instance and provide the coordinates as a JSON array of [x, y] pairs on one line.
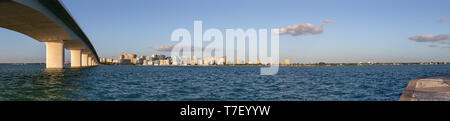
[[42, 25]]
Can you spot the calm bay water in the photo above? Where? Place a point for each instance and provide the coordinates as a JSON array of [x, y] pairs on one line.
[[147, 83]]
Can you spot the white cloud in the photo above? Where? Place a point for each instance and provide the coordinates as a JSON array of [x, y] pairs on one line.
[[301, 29], [165, 48], [442, 38], [327, 21], [444, 42], [443, 20], [423, 20], [433, 46]]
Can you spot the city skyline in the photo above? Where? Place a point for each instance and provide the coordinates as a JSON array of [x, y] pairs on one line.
[[164, 60], [379, 31], [160, 59]]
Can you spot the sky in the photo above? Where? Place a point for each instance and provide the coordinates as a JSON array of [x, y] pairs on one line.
[[314, 30]]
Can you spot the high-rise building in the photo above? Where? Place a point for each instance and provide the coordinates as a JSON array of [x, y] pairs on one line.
[[164, 62], [287, 61], [221, 61], [127, 59], [158, 57], [149, 58], [102, 60], [109, 60], [193, 60], [176, 60]]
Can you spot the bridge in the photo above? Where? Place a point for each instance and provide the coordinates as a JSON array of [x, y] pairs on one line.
[[50, 22]]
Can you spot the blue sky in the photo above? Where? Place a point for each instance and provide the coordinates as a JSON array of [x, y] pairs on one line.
[[363, 30]]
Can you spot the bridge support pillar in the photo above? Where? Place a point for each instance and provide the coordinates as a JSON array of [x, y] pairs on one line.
[[55, 55], [89, 61], [84, 59], [75, 56]]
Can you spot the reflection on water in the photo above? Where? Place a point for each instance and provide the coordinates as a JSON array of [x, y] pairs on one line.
[[52, 78], [54, 83], [37, 83], [210, 83]]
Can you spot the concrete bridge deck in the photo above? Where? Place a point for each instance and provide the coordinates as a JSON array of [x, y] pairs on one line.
[[428, 89]]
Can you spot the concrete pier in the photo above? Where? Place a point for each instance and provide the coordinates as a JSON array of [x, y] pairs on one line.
[[55, 55], [428, 89], [84, 59], [75, 58], [89, 61]]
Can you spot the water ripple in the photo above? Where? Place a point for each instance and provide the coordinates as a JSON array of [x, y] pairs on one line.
[[360, 83]]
